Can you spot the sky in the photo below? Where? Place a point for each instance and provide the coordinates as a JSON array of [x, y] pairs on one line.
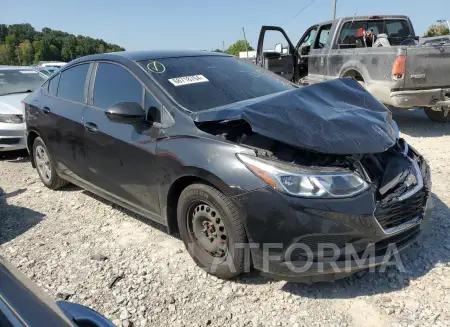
[[202, 24]]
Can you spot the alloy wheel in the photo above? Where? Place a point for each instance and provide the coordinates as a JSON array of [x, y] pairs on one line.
[[43, 163]]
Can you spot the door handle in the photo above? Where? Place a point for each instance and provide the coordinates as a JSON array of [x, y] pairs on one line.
[[91, 127], [46, 110]]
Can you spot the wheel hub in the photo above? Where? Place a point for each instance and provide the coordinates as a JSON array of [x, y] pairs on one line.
[[43, 163], [209, 230]]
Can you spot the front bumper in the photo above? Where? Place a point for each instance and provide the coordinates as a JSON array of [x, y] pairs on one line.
[[420, 98], [321, 239], [12, 137]]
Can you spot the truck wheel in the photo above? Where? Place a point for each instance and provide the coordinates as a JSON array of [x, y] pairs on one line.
[[438, 116], [210, 226]]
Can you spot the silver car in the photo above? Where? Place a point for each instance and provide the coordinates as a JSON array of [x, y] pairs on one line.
[[15, 84]]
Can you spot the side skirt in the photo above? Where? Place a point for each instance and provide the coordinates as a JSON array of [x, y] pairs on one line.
[[114, 199]]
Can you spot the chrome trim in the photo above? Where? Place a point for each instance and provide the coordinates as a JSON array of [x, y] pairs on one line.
[[405, 225], [419, 185]]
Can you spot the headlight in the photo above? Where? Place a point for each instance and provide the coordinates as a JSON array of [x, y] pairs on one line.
[[326, 182], [12, 119]]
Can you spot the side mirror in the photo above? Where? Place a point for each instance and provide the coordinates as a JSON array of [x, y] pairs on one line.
[[278, 48], [125, 113]]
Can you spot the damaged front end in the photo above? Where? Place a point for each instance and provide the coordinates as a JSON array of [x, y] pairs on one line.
[[398, 177], [327, 140], [337, 173]]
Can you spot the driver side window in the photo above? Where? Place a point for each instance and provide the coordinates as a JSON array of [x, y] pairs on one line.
[[324, 33], [114, 84], [309, 37], [275, 42]]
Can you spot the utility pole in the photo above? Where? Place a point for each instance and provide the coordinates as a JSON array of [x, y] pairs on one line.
[[223, 46], [245, 39], [334, 9]]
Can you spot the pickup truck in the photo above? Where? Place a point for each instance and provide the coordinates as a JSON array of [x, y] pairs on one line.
[[381, 52]]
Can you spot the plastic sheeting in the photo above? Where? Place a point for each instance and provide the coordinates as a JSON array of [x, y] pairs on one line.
[[335, 117]]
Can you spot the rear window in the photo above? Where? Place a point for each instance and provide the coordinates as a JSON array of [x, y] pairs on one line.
[[19, 80], [397, 31], [203, 82]]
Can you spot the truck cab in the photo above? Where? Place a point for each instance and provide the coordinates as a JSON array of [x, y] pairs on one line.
[[367, 49]]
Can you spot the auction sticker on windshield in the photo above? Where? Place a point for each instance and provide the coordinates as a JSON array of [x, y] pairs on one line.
[[185, 80]]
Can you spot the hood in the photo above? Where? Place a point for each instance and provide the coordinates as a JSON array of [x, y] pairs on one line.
[[334, 117], [11, 104]]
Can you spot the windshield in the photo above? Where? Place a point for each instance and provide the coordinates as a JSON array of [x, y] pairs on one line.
[[19, 80], [203, 82]]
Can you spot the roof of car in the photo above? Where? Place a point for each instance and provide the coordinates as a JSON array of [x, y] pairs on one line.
[[148, 55], [160, 54], [366, 17]]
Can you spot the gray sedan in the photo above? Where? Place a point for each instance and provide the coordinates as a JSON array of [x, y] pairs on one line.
[[15, 84]]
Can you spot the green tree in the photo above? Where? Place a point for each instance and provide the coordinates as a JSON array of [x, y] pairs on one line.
[[437, 30], [101, 48], [3, 32], [38, 50], [3, 54], [218, 50], [11, 50], [239, 46], [26, 52], [31, 46], [69, 48], [22, 32]]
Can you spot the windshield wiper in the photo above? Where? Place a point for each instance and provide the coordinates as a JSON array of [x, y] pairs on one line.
[[18, 92]]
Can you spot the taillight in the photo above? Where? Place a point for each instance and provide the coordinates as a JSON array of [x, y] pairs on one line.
[[399, 68]]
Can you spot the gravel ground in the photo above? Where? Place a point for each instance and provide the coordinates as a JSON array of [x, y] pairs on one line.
[[75, 245]]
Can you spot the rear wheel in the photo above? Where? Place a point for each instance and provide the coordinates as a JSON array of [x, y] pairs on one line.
[[438, 116], [45, 166], [211, 227]]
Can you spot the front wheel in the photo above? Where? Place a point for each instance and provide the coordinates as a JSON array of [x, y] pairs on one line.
[[212, 230], [438, 116], [45, 166]]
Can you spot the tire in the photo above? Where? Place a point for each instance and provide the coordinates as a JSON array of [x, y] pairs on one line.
[[438, 116], [45, 166], [203, 203]]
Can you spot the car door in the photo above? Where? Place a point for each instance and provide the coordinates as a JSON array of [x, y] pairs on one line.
[[303, 49], [62, 106], [120, 156], [318, 55], [275, 52]]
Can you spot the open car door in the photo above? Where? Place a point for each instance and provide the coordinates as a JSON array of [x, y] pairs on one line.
[[276, 52]]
